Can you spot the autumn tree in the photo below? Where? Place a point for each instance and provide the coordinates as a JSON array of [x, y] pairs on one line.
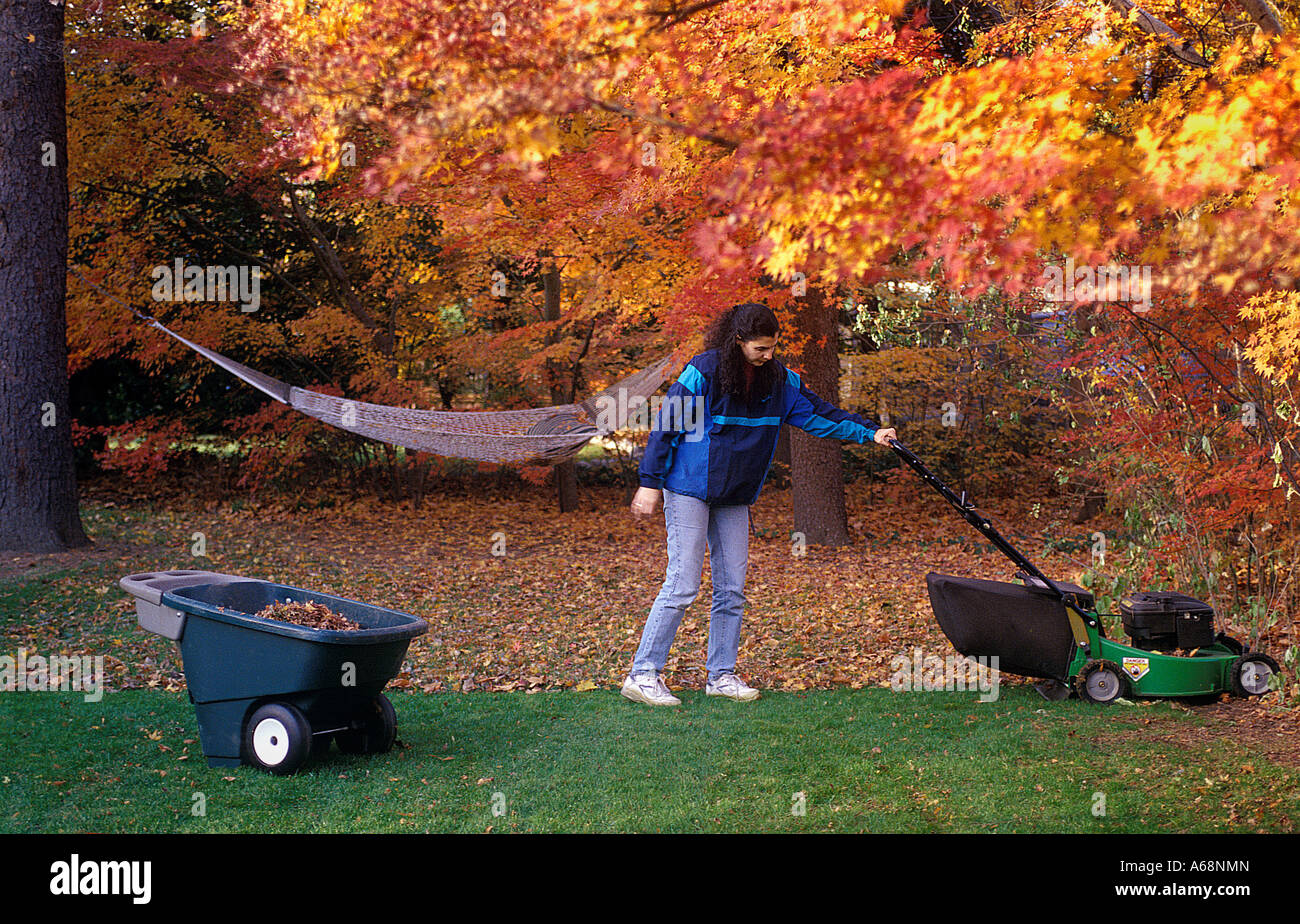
[[840, 145], [345, 297], [672, 157]]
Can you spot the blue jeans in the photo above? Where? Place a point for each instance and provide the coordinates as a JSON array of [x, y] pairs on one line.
[[692, 523]]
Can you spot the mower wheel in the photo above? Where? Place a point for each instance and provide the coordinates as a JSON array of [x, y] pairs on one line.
[[1101, 682], [1251, 673], [1230, 643]]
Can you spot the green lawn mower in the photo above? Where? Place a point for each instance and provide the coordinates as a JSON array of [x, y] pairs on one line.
[[1050, 630]]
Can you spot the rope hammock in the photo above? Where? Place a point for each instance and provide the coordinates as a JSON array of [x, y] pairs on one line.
[[546, 435]]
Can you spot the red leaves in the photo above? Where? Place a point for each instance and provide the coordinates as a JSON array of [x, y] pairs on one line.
[[140, 450]]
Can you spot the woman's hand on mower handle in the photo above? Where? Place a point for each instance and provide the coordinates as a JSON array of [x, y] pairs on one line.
[[884, 436], [644, 501]]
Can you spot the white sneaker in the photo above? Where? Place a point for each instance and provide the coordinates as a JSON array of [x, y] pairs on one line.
[[649, 689], [732, 687]]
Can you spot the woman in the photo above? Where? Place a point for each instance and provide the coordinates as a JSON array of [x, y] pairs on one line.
[[708, 480]]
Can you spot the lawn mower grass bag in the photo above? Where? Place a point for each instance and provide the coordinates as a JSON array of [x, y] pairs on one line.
[[1025, 629]]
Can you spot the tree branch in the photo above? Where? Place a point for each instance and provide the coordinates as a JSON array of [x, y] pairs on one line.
[[1264, 14], [201, 228], [1262, 418], [1180, 47], [673, 16], [335, 272], [615, 108]]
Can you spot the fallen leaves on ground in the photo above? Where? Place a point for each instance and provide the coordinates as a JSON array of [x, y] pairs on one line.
[[520, 597]]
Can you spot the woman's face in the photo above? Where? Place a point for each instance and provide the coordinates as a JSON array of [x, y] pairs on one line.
[[759, 350]]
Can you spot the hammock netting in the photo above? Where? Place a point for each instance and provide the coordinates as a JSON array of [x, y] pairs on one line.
[[546, 435]]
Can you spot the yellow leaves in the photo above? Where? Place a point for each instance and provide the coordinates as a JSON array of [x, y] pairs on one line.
[[1199, 130], [536, 139], [1274, 347], [1229, 60], [1225, 281], [1146, 141], [787, 255]]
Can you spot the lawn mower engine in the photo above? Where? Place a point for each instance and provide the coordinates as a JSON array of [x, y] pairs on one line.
[[1163, 620]]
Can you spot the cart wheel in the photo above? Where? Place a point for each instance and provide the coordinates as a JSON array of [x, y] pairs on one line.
[[278, 738], [378, 729], [1101, 682], [1251, 673]]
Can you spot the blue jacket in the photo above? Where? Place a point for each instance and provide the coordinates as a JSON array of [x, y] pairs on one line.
[[723, 458]]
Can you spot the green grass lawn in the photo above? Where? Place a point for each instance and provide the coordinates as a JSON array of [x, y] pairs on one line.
[[825, 758], [864, 760]]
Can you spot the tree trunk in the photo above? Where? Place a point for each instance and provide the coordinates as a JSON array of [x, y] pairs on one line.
[[566, 473], [782, 454], [1093, 502], [38, 485], [816, 469]]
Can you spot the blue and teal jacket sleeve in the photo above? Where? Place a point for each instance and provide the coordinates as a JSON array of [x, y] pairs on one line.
[[669, 428], [810, 413]]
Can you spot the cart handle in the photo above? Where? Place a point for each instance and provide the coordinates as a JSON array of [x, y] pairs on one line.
[[151, 585]]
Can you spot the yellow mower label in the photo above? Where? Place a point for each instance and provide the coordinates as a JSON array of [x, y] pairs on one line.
[[1137, 667]]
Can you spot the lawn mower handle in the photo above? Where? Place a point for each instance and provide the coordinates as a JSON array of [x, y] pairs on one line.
[[967, 510]]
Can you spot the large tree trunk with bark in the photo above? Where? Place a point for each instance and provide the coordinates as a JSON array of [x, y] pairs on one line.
[[566, 472], [816, 468], [38, 485]]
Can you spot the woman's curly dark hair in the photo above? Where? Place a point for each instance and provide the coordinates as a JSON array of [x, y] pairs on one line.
[[747, 321]]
